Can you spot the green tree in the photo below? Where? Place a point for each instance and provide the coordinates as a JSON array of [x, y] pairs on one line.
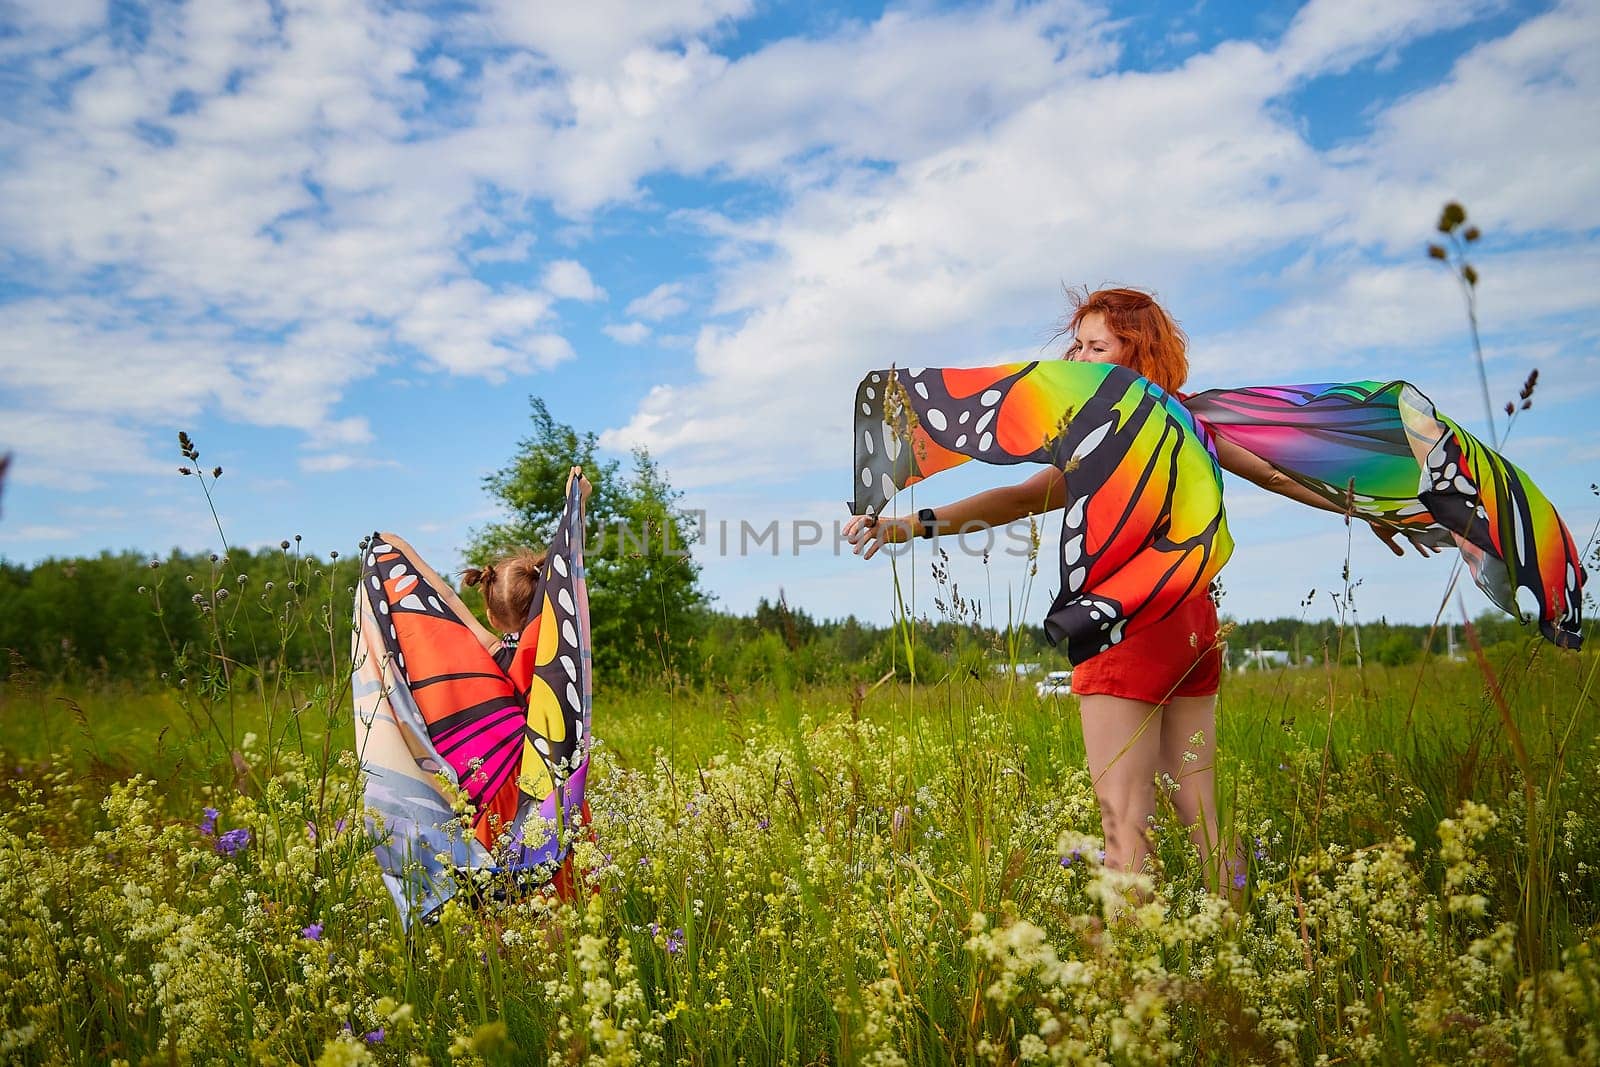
[[644, 586]]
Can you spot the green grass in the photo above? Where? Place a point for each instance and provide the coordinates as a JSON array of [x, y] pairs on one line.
[[858, 877]]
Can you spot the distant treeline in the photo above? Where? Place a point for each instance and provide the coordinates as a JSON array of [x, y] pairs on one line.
[[130, 617]]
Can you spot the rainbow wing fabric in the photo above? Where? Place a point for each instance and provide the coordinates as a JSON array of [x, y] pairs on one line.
[[1415, 469], [436, 715], [1144, 528]]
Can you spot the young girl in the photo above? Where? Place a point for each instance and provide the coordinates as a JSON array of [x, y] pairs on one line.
[[508, 585]]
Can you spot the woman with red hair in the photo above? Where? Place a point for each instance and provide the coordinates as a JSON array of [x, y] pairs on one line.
[[1149, 703]]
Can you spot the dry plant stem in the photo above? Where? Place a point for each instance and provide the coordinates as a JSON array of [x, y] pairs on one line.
[[1344, 604], [1532, 904], [1469, 292]]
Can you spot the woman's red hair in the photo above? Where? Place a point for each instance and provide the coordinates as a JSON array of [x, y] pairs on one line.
[[1155, 345]]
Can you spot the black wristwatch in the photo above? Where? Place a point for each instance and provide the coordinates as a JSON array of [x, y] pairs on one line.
[[928, 525]]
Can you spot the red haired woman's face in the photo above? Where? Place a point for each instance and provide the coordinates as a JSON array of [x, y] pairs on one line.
[[1095, 343]]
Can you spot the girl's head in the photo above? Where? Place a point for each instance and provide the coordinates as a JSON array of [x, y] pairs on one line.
[[508, 587], [1127, 327]]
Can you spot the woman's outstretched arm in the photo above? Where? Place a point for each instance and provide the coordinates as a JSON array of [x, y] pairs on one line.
[[1045, 491], [1253, 468]]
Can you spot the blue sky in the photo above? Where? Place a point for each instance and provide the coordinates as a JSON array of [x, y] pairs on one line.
[[342, 243]]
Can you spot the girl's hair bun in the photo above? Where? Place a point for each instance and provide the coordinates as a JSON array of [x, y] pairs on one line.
[[474, 576]]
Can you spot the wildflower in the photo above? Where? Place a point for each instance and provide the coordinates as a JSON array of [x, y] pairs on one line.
[[1239, 880], [216, 472], [762, 823], [375, 1037], [208, 822], [675, 940], [312, 932], [233, 842], [283, 545]]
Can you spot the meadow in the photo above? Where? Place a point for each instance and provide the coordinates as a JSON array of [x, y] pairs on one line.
[[899, 873]]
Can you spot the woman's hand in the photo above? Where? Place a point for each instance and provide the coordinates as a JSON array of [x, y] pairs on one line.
[[584, 488], [872, 533], [1389, 536]]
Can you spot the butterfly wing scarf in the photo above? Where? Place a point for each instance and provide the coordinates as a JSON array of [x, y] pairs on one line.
[[1383, 449], [1143, 529], [439, 725]]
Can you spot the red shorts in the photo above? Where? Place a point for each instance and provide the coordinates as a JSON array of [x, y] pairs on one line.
[[1177, 657]]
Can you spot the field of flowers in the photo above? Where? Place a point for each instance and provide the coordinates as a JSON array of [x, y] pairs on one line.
[[896, 875]]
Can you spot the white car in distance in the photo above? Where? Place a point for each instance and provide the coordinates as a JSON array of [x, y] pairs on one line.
[[1056, 683]]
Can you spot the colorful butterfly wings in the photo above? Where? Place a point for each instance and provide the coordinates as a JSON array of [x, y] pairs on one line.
[[1414, 468], [553, 667], [431, 702], [1144, 528]]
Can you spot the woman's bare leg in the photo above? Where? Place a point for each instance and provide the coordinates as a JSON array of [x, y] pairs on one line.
[[1122, 738], [1184, 719]]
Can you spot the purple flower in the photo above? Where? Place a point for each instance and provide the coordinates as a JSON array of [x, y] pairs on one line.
[[655, 929], [233, 842], [208, 824], [312, 932], [643, 861], [675, 940], [375, 1037], [763, 823], [1239, 880], [1069, 858]]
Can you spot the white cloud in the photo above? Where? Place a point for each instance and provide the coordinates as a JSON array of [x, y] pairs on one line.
[[336, 462], [629, 333], [665, 301], [1331, 36], [599, 33], [566, 279], [1510, 133], [68, 451], [956, 255]]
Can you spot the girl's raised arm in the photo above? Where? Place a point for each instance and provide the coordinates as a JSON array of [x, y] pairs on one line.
[[447, 593]]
